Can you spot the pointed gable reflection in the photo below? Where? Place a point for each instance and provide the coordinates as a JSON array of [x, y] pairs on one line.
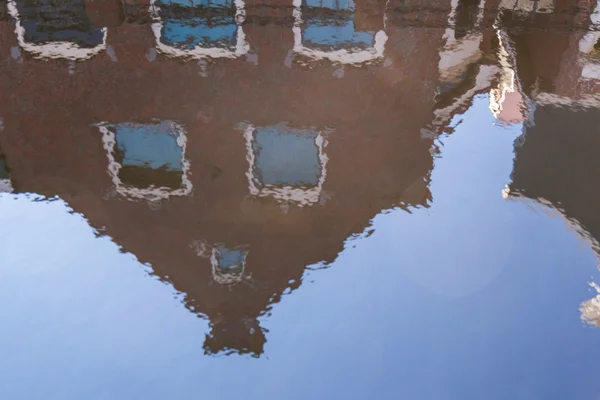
[[200, 28], [56, 29], [235, 335], [286, 163], [326, 29], [147, 160]]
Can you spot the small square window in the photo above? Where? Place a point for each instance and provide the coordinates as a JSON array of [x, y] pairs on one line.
[[147, 160], [57, 29], [326, 29], [286, 163], [228, 264], [200, 28]]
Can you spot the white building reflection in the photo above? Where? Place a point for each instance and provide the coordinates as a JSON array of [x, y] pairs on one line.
[[147, 160], [200, 28], [50, 29], [325, 29]]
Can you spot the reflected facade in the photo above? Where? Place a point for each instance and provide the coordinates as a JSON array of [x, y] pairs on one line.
[[230, 177]]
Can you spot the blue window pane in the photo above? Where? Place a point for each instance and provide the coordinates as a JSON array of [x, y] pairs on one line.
[[194, 32], [149, 145], [58, 21], [286, 158], [331, 30], [336, 33], [331, 4], [231, 260], [187, 24]]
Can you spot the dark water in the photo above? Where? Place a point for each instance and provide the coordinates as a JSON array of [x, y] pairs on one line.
[[299, 200]]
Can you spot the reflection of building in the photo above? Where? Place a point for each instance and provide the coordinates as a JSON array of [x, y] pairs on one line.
[[547, 46], [470, 59], [254, 149], [548, 64], [555, 158], [546, 169]]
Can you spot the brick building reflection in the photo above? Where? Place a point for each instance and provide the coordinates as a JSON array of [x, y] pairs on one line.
[[231, 175], [555, 165], [230, 185]]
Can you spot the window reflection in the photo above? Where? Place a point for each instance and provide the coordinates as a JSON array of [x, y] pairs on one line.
[[228, 264], [200, 28], [5, 182], [286, 163], [56, 29], [327, 29], [147, 160]]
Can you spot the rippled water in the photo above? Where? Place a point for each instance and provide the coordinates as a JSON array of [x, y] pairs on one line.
[[310, 199]]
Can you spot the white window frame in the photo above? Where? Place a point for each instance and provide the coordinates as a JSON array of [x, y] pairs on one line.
[[291, 194], [342, 56], [6, 186], [242, 47], [224, 278], [54, 50], [591, 69], [210, 251], [151, 194]]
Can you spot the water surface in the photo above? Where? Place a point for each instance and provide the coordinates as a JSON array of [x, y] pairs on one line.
[[264, 200]]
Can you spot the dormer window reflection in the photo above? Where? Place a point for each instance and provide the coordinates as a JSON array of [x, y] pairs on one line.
[[200, 28], [326, 29], [56, 29], [228, 264], [286, 163], [147, 160]]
